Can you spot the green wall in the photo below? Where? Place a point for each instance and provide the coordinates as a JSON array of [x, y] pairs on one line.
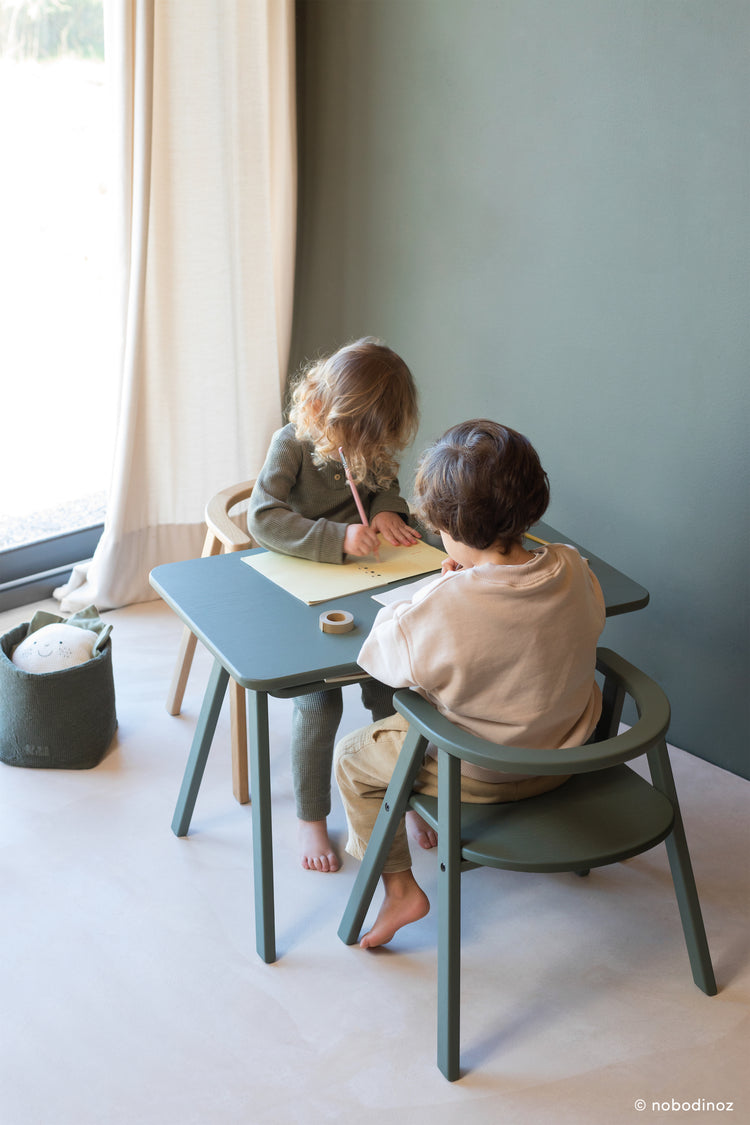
[[543, 206]]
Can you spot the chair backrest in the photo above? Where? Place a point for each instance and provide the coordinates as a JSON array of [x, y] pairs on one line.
[[605, 813], [221, 524], [605, 748]]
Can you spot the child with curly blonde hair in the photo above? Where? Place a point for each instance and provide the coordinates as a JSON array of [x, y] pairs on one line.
[[361, 399]]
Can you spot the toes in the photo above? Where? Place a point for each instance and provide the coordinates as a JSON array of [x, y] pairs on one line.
[[322, 863]]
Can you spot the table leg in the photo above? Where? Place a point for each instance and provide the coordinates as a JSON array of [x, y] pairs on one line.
[[260, 787], [204, 733]]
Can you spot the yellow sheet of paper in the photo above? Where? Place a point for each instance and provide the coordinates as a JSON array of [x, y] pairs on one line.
[[314, 582]]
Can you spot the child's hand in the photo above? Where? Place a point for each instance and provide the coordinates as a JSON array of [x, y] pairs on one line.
[[450, 564], [360, 540], [394, 530]]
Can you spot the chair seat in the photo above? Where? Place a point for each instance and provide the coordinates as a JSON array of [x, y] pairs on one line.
[[599, 818]]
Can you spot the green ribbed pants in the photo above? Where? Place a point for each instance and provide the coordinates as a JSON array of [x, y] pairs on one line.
[[315, 722]]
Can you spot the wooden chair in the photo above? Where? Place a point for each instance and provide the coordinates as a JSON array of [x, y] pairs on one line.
[[222, 534], [605, 813]]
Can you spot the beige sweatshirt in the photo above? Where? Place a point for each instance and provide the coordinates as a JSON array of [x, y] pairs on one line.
[[506, 652]]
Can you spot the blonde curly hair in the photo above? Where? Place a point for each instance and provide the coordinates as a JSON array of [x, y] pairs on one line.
[[361, 398]]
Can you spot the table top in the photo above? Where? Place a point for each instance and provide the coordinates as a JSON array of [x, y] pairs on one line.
[[270, 641]]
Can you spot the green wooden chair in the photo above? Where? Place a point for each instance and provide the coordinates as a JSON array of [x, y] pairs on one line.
[[605, 813]]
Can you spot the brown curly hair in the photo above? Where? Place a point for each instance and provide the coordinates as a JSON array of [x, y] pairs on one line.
[[483, 484]]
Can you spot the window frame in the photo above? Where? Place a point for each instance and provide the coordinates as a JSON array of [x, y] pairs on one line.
[[31, 571]]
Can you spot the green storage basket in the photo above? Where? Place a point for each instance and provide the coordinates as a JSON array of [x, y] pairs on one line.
[[55, 720]]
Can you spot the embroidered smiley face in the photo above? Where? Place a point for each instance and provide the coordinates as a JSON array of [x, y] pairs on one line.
[[47, 649], [54, 647]]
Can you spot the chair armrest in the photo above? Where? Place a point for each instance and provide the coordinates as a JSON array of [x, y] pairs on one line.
[[651, 727], [219, 521]]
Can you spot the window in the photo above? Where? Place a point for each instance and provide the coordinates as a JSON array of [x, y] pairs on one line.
[[55, 290]]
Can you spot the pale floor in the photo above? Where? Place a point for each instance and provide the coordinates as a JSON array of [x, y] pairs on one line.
[[130, 990]]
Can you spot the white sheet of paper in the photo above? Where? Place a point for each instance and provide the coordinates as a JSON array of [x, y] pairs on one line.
[[403, 591]]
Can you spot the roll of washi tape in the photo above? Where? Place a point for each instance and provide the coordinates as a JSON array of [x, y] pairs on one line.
[[336, 621]]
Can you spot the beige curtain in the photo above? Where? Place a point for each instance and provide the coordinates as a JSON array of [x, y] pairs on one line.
[[204, 108]]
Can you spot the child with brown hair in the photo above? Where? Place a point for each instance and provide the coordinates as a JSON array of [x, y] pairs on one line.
[[503, 643], [361, 399]]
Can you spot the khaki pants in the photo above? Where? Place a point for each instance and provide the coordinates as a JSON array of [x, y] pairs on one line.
[[364, 763]]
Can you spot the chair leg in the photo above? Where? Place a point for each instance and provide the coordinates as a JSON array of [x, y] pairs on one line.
[[683, 878], [449, 916], [211, 546], [690, 911], [391, 810], [238, 725], [181, 671]]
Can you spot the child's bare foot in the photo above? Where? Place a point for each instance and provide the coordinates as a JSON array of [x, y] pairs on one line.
[[420, 831], [404, 902], [317, 853]]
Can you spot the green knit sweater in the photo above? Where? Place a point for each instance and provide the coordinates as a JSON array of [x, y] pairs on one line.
[[303, 509]]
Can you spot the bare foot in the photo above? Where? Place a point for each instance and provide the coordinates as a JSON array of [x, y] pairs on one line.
[[420, 831], [317, 853], [404, 902]]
